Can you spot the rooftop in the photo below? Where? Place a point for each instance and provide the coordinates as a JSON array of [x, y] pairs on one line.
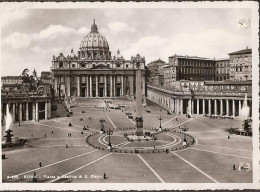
[[191, 57], [223, 59], [156, 61], [243, 51]]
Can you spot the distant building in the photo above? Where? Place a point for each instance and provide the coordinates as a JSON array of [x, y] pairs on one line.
[[241, 65], [168, 76], [154, 66], [192, 68], [45, 81], [156, 72], [222, 69]]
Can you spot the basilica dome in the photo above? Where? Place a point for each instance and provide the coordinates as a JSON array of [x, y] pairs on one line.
[[94, 45]]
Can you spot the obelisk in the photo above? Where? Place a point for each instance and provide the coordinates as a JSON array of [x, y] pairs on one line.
[[139, 116]]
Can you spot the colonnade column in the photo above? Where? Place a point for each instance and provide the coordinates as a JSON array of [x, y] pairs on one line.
[[111, 86], [233, 108], [239, 107], [46, 110], [90, 86], [87, 87], [221, 107], [13, 112], [33, 111], [177, 106], [105, 78], [227, 107], [209, 112], [198, 106], [27, 112], [122, 85], [190, 107], [37, 110], [203, 106], [96, 86], [78, 86], [215, 107], [20, 112], [181, 106]]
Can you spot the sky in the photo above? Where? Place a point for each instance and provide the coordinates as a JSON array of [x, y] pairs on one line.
[[30, 37]]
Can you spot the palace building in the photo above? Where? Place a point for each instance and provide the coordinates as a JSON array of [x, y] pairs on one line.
[[93, 72], [241, 65]]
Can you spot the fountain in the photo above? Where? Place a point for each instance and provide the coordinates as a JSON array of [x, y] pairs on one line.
[[244, 114], [8, 132]]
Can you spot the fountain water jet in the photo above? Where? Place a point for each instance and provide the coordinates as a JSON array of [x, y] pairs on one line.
[[8, 118], [8, 131], [244, 113]]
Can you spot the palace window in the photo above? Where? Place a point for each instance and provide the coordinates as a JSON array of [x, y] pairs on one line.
[[73, 65], [126, 66], [60, 65], [83, 65], [117, 65]]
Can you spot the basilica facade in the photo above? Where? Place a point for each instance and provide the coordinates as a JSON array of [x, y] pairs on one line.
[[93, 72]]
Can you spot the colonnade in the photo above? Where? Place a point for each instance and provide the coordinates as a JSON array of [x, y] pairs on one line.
[[229, 106], [25, 111]]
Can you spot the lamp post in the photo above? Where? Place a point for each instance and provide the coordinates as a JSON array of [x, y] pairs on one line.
[[109, 132], [102, 125], [160, 119]]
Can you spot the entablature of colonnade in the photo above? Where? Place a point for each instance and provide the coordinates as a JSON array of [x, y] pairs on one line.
[[202, 95], [24, 99]]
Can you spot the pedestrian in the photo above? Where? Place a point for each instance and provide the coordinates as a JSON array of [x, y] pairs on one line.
[[40, 164], [45, 135], [68, 134], [51, 132], [105, 177], [234, 167], [228, 137]]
